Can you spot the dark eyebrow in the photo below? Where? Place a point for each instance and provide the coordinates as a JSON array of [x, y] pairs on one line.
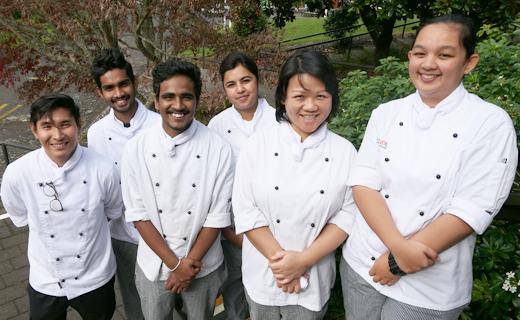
[[187, 95], [418, 46], [122, 82]]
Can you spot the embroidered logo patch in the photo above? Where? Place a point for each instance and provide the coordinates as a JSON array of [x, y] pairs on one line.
[[381, 143]]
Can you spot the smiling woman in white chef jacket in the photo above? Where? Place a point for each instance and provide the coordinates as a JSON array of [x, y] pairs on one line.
[[433, 170], [290, 196], [248, 113]]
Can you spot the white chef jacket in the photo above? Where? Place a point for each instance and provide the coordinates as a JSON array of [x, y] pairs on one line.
[[459, 158], [69, 251], [295, 189], [235, 130], [108, 136], [181, 184]]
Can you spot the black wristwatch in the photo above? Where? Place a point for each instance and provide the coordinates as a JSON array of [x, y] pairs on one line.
[[394, 267]]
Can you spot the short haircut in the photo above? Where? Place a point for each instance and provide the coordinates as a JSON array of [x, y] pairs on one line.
[[46, 104], [313, 63], [466, 26], [175, 67], [109, 59], [232, 60]]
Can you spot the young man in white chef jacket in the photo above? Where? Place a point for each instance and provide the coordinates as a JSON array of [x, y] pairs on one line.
[[65, 194], [177, 181], [117, 86]]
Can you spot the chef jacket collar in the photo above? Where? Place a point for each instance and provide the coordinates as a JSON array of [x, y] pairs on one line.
[[425, 115], [293, 139], [171, 144], [249, 128], [58, 173], [135, 123]]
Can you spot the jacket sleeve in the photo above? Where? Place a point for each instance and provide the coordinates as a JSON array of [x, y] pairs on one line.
[[246, 212], [12, 198], [486, 175], [219, 212]]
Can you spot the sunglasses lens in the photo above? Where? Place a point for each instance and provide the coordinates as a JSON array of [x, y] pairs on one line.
[[49, 191], [56, 205]]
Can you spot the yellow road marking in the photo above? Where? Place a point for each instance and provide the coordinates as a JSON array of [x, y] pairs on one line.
[[3, 106], [18, 106]]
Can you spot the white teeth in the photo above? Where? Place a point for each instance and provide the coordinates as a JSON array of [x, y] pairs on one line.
[[58, 145], [121, 103], [177, 115], [428, 76]]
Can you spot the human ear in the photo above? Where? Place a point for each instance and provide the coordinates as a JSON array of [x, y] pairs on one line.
[[34, 130], [471, 63], [156, 104]]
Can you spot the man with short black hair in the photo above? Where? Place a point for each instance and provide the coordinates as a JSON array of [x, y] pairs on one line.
[[66, 194], [116, 86], [177, 180]]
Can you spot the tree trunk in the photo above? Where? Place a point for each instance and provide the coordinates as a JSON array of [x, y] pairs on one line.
[[380, 31]]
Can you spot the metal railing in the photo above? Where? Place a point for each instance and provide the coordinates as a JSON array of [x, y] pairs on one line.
[[348, 39], [5, 151]]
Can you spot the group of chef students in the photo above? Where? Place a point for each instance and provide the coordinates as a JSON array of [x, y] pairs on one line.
[[254, 205]]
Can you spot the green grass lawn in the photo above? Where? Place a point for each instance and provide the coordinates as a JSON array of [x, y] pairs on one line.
[[301, 27]]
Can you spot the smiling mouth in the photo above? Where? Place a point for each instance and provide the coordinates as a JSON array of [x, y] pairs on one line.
[[121, 102], [60, 145], [309, 118], [428, 77], [177, 114]]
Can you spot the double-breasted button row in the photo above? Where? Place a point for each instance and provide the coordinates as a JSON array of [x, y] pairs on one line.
[[82, 209], [161, 211], [184, 238], [77, 257], [278, 188], [154, 155], [157, 184]]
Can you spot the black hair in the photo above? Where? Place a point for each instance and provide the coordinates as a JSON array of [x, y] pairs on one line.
[[173, 67], [46, 104], [467, 30], [109, 59], [313, 63], [234, 59]]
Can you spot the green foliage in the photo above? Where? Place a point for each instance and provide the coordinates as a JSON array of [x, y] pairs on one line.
[[318, 6], [359, 94], [248, 18], [497, 12], [497, 252], [340, 19]]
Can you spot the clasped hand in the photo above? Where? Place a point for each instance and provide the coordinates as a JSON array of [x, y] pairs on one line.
[[411, 256], [180, 279], [288, 267]]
